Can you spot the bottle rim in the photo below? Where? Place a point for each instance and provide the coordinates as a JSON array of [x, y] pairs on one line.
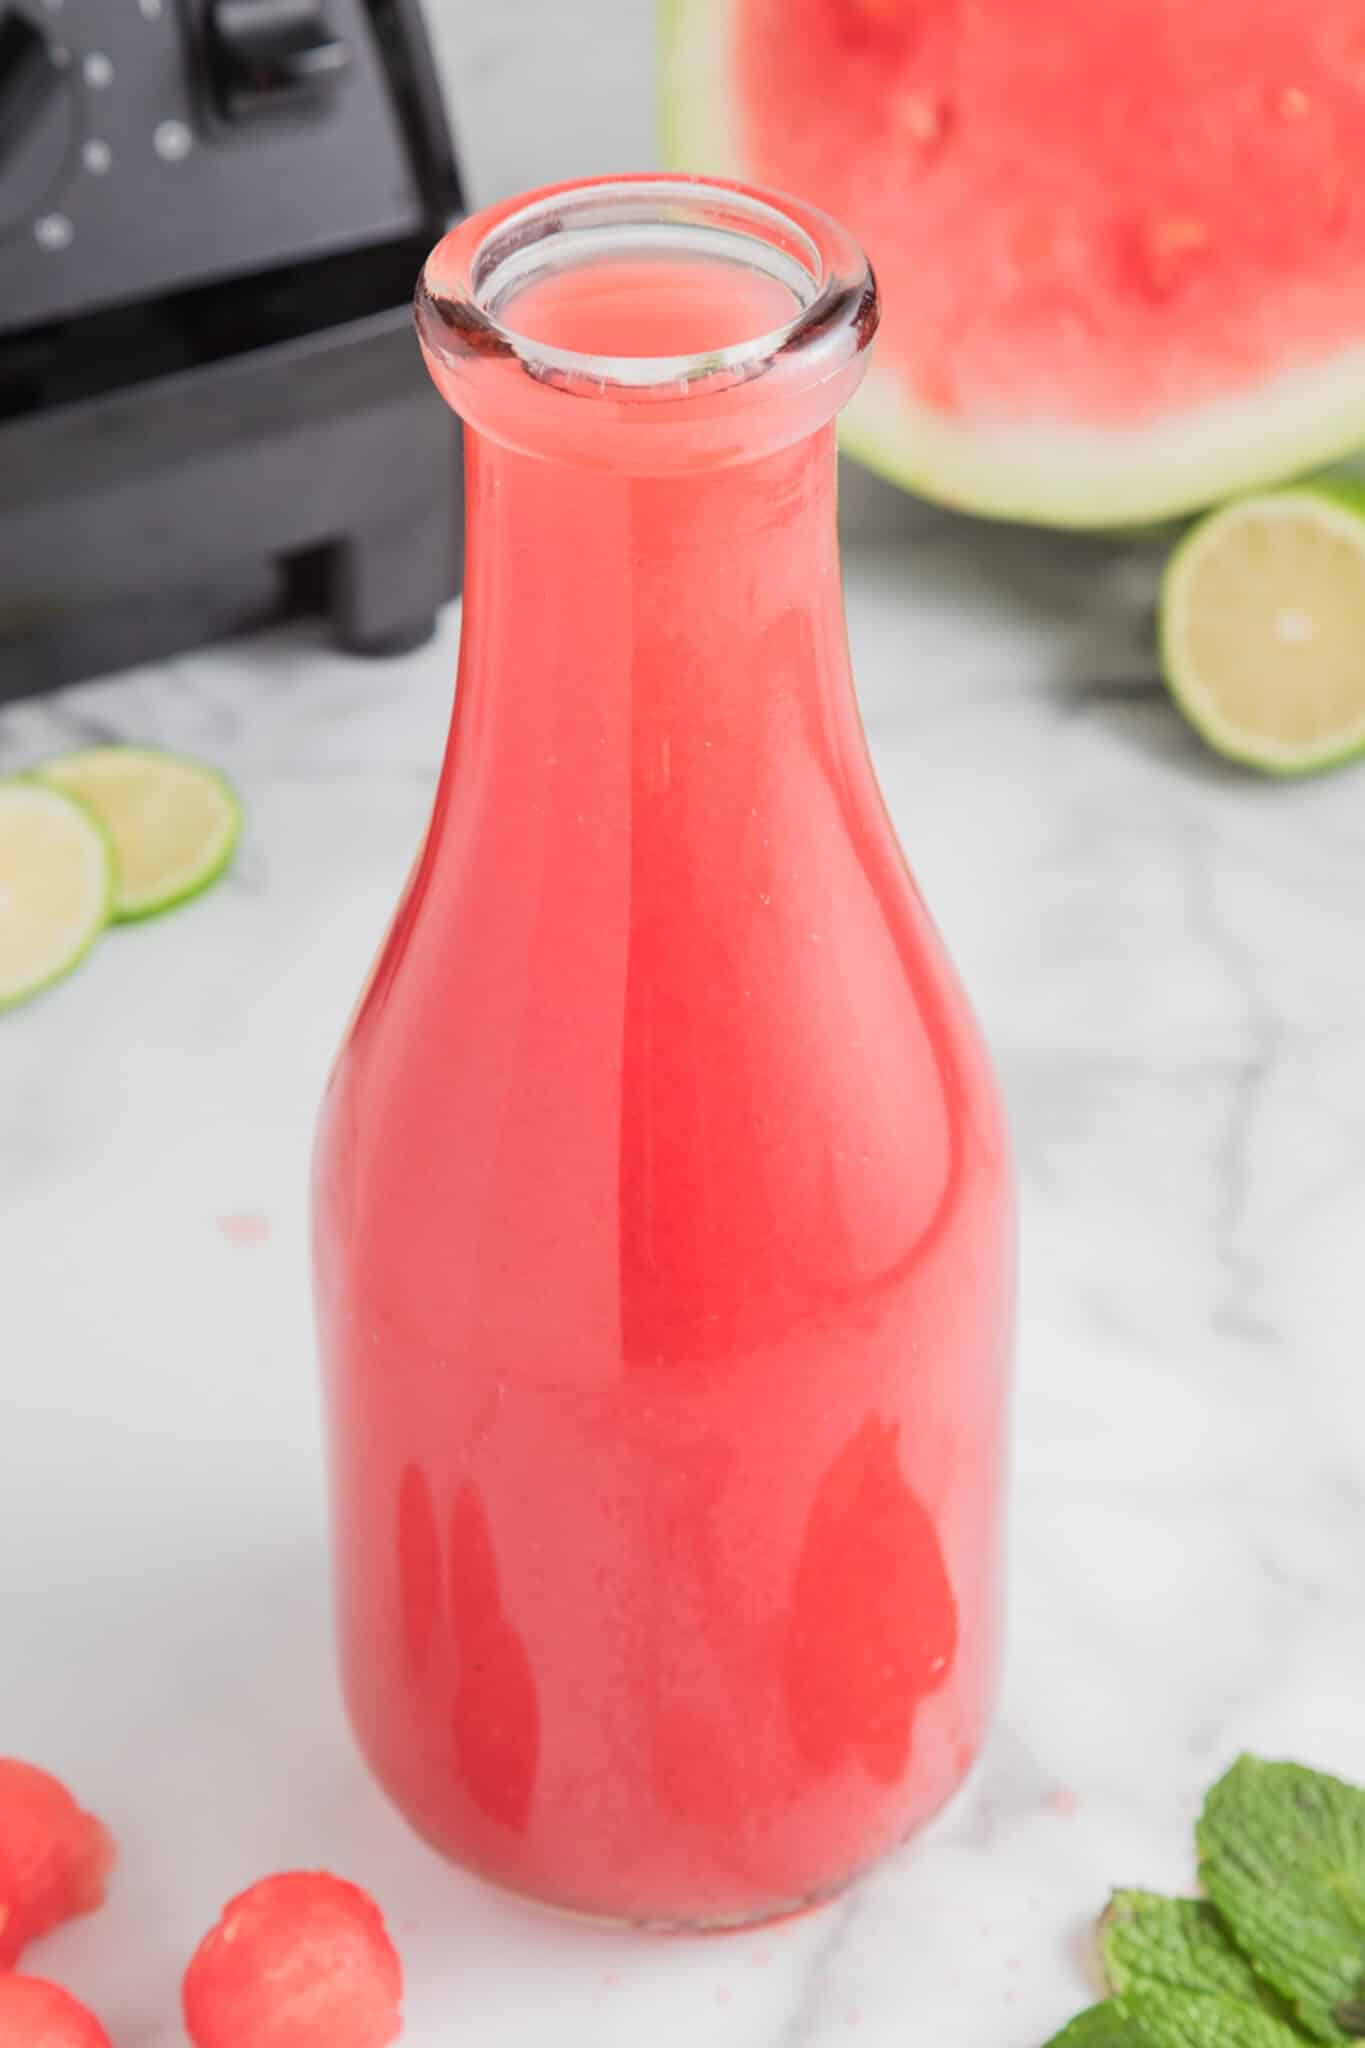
[[466, 296]]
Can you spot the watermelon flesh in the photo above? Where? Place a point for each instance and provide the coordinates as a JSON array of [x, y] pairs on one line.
[[1121, 243]]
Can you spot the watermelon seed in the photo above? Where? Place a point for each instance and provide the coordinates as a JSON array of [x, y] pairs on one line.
[[925, 117], [1170, 246]]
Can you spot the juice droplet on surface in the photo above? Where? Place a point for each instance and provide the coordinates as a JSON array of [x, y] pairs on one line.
[[245, 1229]]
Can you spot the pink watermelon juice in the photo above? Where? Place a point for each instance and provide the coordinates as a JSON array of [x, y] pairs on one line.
[[664, 1223], [683, 305]]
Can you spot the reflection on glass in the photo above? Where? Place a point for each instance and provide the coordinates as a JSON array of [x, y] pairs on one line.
[[497, 1712], [873, 1624]]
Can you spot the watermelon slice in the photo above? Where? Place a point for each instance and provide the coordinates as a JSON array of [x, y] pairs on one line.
[[1121, 243]]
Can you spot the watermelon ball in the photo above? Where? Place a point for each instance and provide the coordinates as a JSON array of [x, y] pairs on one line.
[[34, 2014], [54, 1859], [302, 1960]]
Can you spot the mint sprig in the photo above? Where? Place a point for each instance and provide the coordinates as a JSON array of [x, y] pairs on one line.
[[1275, 1956], [1282, 1855]]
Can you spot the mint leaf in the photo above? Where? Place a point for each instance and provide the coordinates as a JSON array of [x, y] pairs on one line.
[[1160, 2017], [1163, 2018], [1154, 1944], [1282, 1856], [1103, 2026], [1178, 1983]]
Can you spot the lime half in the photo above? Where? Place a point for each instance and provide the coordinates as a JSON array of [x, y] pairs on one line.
[[1263, 627], [174, 823], [56, 885]]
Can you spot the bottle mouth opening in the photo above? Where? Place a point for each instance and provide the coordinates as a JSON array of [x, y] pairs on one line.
[[796, 273]]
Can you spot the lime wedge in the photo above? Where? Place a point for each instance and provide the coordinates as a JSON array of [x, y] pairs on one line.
[[174, 823], [1263, 627], [56, 886]]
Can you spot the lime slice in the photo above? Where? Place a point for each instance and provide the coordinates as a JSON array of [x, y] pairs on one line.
[[174, 823], [56, 886], [1263, 627]]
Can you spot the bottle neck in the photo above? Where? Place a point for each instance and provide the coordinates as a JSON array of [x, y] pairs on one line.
[[682, 611], [660, 880]]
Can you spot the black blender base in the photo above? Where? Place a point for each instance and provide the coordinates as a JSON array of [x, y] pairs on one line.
[[385, 645], [384, 585], [100, 640], [328, 455]]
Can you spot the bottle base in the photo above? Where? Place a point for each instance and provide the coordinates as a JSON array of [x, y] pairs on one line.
[[728, 1917], [734, 1922], [720, 1923]]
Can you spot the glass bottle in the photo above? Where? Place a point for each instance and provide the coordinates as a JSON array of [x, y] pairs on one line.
[[664, 1229]]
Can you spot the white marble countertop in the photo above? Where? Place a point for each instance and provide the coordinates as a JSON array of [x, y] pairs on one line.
[[1167, 956]]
